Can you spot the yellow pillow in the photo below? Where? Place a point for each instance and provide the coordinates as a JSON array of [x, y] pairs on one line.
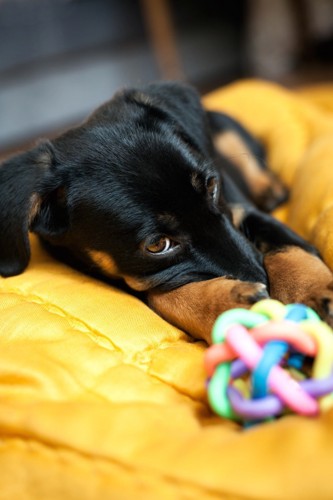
[[102, 399]]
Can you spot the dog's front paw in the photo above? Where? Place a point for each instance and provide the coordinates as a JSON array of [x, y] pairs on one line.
[[298, 276], [194, 307]]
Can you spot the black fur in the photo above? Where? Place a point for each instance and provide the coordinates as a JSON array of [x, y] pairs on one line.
[[141, 167]]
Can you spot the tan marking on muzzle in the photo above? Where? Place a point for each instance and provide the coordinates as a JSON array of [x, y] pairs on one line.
[[138, 284], [104, 262]]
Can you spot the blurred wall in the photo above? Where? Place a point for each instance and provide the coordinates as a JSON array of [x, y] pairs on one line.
[[59, 59]]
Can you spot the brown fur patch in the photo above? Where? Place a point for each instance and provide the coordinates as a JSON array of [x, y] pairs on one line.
[[194, 307], [136, 283], [104, 262]]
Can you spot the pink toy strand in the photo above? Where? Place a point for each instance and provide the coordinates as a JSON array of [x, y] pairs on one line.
[[279, 381], [277, 330]]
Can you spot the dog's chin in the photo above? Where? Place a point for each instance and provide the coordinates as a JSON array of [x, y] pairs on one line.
[[164, 284], [152, 282]]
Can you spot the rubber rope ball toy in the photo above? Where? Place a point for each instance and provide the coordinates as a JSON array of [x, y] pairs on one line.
[[268, 361]]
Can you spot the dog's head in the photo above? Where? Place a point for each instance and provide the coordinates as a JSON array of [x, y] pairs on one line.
[[132, 192]]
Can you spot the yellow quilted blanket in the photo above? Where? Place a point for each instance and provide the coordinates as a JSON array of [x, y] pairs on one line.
[[102, 399]]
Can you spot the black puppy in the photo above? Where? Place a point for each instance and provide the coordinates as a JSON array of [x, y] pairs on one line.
[[157, 191]]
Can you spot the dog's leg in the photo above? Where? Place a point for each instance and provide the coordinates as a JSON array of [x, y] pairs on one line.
[[247, 161], [194, 307], [295, 271]]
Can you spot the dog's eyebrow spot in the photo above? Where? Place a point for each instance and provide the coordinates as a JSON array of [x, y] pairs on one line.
[[238, 213], [168, 219], [104, 261]]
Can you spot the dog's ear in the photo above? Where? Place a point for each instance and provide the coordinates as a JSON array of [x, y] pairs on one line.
[[179, 104], [183, 104], [29, 192]]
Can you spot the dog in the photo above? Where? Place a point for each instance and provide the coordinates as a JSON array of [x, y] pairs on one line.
[[172, 199]]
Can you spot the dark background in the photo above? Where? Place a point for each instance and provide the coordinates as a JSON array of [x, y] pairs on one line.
[[59, 59]]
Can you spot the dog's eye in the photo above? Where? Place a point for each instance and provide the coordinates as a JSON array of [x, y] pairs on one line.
[[161, 246]]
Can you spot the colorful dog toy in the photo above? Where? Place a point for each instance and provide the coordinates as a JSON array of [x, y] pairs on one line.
[[260, 359]]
